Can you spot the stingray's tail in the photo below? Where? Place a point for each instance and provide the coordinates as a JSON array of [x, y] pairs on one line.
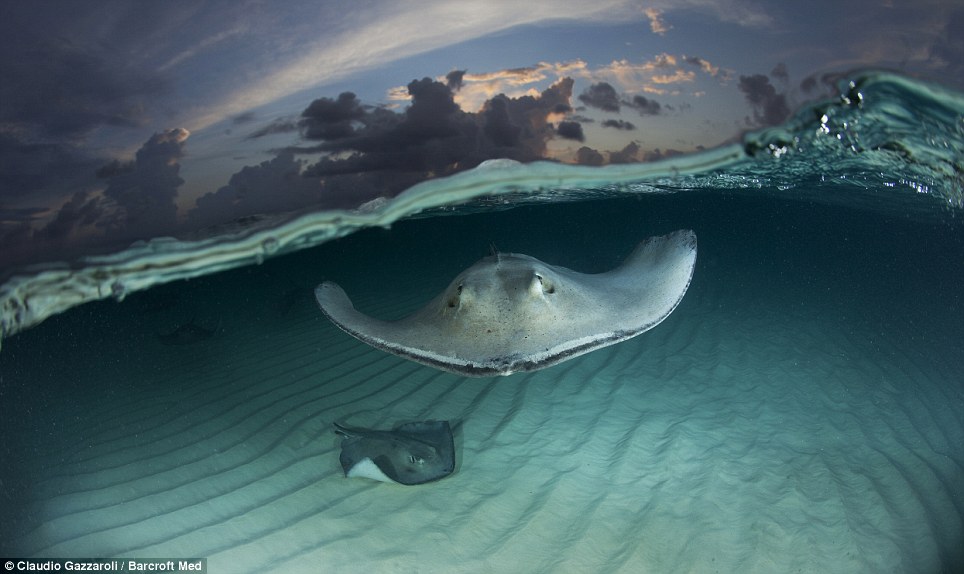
[[342, 430]]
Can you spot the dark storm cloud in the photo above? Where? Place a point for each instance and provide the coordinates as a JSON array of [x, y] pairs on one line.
[[628, 154], [588, 156], [454, 79], [497, 125], [433, 134], [601, 96], [145, 191], [769, 107], [433, 114], [278, 126], [29, 167], [114, 167], [328, 119], [273, 186], [571, 131], [54, 94], [658, 154], [619, 125], [66, 90], [645, 106], [80, 211], [826, 83], [371, 152], [138, 203]]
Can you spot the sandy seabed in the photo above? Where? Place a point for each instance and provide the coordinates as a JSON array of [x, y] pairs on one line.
[[769, 425]]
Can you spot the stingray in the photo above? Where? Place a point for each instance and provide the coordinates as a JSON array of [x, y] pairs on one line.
[[412, 453], [512, 313], [187, 334]]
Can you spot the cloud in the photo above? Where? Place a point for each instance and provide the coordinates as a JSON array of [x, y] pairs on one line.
[[702, 64], [137, 203], [628, 154], [371, 151], [81, 210], [645, 106], [56, 89], [433, 133], [30, 168], [277, 126], [401, 32], [273, 186], [145, 191], [656, 23], [677, 77], [601, 96], [571, 131], [619, 125], [454, 79], [119, 65], [657, 154], [746, 13], [327, 119], [588, 156], [657, 75], [472, 90], [663, 60], [769, 107]]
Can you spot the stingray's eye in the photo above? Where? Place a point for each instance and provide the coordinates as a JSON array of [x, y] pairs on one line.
[[414, 459], [454, 300], [546, 286]]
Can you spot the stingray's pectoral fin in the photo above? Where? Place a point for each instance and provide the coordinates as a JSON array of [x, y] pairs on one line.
[[336, 305]]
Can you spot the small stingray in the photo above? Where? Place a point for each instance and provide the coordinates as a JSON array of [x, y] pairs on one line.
[[512, 313], [187, 334], [412, 453]]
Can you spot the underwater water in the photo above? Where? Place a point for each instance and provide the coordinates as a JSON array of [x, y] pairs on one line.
[[802, 410]]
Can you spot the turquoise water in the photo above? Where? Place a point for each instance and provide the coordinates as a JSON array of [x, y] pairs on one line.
[[801, 410]]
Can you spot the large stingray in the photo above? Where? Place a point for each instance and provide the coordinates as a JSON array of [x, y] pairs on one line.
[[510, 313], [412, 453]]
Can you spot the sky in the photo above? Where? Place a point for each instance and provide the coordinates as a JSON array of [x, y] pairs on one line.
[[124, 120]]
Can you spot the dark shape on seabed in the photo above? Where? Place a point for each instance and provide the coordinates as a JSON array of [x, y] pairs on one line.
[[188, 334], [411, 453], [292, 298], [512, 313]]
